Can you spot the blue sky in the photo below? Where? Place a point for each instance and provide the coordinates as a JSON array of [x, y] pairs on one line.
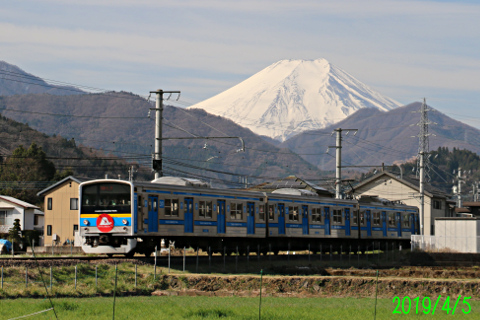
[[405, 50]]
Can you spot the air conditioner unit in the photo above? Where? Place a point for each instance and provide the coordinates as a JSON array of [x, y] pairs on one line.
[[54, 237]]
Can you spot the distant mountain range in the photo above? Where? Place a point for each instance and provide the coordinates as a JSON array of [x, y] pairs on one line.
[[14, 80], [292, 96], [117, 123], [383, 137]]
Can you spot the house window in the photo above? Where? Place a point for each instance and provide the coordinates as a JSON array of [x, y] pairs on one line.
[[3, 217], [49, 203], [73, 203], [171, 207], [49, 230], [437, 204], [205, 209], [35, 220], [236, 212], [75, 229]]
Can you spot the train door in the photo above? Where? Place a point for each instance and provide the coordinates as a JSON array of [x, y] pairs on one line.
[[417, 224], [384, 223], [221, 216], [412, 223], [347, 222], [399, 223], [188, 215], [281, 218], [369, 223], [152, 214], [250, 218], [327, 221], [305, 219]]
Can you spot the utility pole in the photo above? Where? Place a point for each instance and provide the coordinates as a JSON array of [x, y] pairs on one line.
[[423, 165], [131, 171], [157, 156], [422, 192], [338, 157], [459, 188]]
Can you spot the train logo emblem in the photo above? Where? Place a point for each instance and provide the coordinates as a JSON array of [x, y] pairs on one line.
[[105, 223]]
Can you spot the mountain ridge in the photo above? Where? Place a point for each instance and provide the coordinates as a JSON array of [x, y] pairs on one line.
[[291, 96]]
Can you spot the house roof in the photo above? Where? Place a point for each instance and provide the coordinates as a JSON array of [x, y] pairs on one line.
[[53, 186], [17, 202], [290, 182], [411, 183]]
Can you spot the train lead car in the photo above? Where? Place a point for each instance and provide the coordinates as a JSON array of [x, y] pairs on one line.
[[122, 217]]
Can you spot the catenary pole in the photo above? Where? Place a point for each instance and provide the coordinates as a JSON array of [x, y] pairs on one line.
[[157, 157]]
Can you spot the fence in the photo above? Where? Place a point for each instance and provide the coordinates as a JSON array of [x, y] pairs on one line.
[[446, 244]]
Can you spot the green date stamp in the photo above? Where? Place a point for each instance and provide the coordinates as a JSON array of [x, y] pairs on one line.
[[427, 306]]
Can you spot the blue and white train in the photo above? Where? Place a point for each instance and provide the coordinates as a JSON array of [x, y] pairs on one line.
[[122, 217]]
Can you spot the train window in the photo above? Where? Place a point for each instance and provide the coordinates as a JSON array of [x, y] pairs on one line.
[[362, 218], [236, 211], [261, 212], [317, 215], [391, 219], [376, 218], [354, 217], [205, 209], [337, 216], [293, 213], [171, 207], [271, 212], [406, 220]]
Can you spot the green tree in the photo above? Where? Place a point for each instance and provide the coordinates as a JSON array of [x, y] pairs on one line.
[[25, 172], [14, 233]]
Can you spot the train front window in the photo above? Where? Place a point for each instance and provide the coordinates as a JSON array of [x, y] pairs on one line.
[[106, 197]]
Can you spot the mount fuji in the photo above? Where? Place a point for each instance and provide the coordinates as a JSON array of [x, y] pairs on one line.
[[292, 96]]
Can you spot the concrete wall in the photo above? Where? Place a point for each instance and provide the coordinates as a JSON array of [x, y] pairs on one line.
[[458, 234]]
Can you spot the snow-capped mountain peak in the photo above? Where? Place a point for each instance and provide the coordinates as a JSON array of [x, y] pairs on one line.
[[291, 96]]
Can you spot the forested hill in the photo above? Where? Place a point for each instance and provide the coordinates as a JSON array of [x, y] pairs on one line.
[[31, 160], [444, 166]]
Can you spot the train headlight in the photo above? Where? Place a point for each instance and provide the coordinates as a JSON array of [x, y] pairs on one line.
[[85, 222], [125, 221]]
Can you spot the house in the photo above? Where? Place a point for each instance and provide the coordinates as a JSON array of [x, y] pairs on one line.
[[30, 216], [61, 211], [390, 186]]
